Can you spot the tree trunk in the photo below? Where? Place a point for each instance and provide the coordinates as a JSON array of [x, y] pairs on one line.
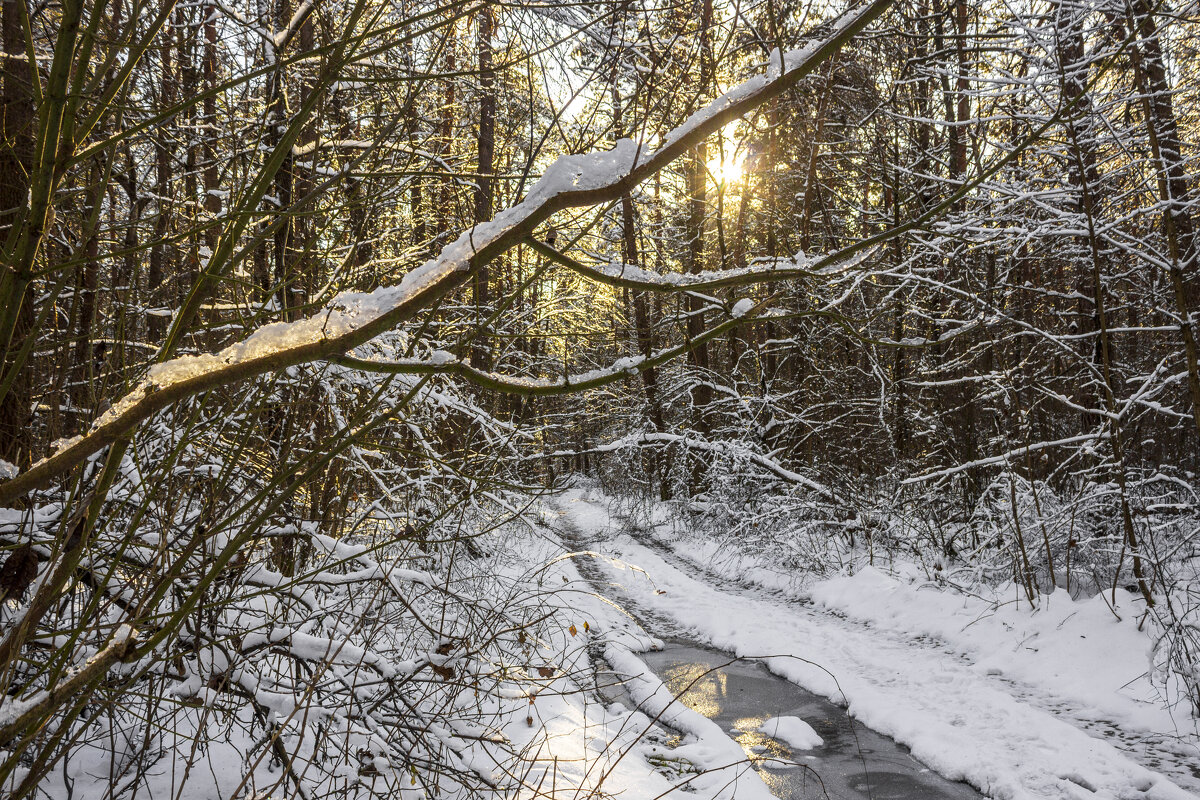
[[158, 267], [697, 183], [16, 158], [485, 23], [1174, 191]]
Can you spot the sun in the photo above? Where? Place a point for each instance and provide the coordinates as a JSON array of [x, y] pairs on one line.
[[727, 168]]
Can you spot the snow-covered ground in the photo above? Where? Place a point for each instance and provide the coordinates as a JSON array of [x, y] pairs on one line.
[[1047, 705], [605, 724]]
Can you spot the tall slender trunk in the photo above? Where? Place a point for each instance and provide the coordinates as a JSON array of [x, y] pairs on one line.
[[445, 194], [16, 158], [810, 176], [158, 267], [485, 24], [642, 324], [697, 184], [285, 230], [1083, 177], [87, 286], [363, 250], [770, 157], [1163, 131], [126, 275], [212, 197]]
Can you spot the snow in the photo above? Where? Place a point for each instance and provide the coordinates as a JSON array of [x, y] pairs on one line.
[[742, 307], [613, 748], [1078, 649], [792, 731], [13, 709], [1015, 712]]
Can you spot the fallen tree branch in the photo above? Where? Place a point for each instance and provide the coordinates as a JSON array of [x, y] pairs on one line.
[[651, 438]]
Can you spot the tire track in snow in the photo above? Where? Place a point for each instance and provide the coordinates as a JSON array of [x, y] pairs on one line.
[[944, 670], [1173, 756], [1147, 748]]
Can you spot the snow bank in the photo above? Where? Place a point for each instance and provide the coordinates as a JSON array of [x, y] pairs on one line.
[[1075, 649], [792, 731]]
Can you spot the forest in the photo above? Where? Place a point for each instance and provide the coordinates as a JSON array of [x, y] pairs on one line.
[[385, 382]]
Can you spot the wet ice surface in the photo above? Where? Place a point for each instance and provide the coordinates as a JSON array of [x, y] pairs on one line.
[[854, 762]]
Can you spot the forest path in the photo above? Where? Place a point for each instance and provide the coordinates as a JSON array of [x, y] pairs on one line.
[[1008, 739], [1173, 756]]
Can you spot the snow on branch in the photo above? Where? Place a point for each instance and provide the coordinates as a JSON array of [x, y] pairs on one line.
[[281, 38], [629, 276], [728, 448], [353, 318], [20, 714], [442, 362], [1005, 458]]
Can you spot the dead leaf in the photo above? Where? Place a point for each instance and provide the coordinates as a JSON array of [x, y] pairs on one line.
[[17, 572]]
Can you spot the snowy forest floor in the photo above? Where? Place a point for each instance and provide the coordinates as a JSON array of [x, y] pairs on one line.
[[1052, 704]]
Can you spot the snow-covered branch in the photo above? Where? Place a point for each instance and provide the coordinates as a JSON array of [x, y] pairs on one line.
[[444, 363], [726, 448], [354, 318]]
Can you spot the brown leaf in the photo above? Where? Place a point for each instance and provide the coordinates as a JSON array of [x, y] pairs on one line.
[[573, 630], [17, 572], [367, 768], [546, 672], [445, 673]]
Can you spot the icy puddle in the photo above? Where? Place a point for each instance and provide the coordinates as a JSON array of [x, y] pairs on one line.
[[851, 762]]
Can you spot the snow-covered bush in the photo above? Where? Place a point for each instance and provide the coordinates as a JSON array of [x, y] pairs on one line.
[[341, 610]]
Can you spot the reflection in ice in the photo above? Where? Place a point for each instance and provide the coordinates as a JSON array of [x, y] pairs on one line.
[[854, 762], [704, 687]]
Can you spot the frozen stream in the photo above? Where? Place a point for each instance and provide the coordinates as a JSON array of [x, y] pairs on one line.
[[853, 762]]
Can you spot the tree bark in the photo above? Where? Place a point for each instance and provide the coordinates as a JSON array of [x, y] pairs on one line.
[[1174, 190], [485, 24], [16, 159], [697, 184]]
